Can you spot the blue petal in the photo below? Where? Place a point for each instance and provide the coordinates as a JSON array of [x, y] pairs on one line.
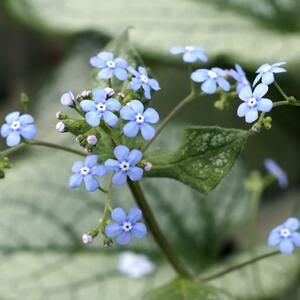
[[148, 132], [235, 75], [143, 71], [134, 156], [95, 61], [219, 71], [90, 160], [139, 230], [274, 239], [201, 56], [223, 83], [112, 165], [91, 183], [124, 238], [268, 78], [118, 215], [292, 224], [28, 132], [295, 237], [135, 173], [133, 71], [177, 50], [121, 74], [93, 118], [77, 166], [99, 170], [75, 181], [134, 215], [260, 90], [147, 93], [112, 230], [278, 70], [245, 93], [13, 139], [265, 105], [113, 104], [131, 129], [88, 105], [127, 113], [121, 152], [279, 64], [199, 75], [154, 84], [135, 84], [121, 63], [189, 57], [151, 115], [99, 95], [251, 115], [262, 67], [105, 56], [26, 119], [106, 73], [286, 246], [243, 109], [5, 129], [137, 106], [110, 118], [257, 79], [209, 86], [14, 116], [119, 178]]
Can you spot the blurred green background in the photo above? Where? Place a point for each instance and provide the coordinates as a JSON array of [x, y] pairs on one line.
[[45, 50]]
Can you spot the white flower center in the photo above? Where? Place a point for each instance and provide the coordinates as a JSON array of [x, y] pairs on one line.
[[85, 170], [15, 125], [111, 64], [252, 102], [266, 69], [190, 48], [139, 118], [124, 165], [101, 107], [127, 226], [285, 232], [212, 74], [144, 78]]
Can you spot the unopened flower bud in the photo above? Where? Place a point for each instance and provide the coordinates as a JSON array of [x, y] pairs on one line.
[[121, 95], [67, 99], [85, 94], [108, 242], [61, 115], [92, 140], [87, 151], [60, 127], [147, 166], [87, 238], [109, 91]]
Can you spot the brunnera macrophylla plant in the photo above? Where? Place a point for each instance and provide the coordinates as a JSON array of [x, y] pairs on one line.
[[116, 124]]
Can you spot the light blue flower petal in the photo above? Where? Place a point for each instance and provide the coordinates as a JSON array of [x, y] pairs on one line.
[[13, 139], [262, 67], [5, 129], [286, 247], [251, 115], [177, 50], [121, 74], [133, 71], [121, 63], [151, 115], [110, 118], [137, 106], [113, 230], [147, 93], [219, 71], [75, 181], [278, 70], [274, 239], [99, 95], [243, 109], [131, 129], [265, 105], [112, 165], [127, 113], [134, 157], [189, 57], [260, 90], [91, 183], [279, 64], [77, 166], [124, 238], [118, 215], [95, 61], [121, 152], [201, 56], [143, 71], [245, 93], [113, 104], [135, 173], [106, 73], [14, 116], [199, 75], [209, 86], [93, 118], [135, 84], [88, 105], [148, 132], [99, 170], [28, 132], [223, 83], [134, 215], [235, 75], [257, 79], [26, 119], [139, 230], [154, 84], [90, 160], [240, 70], [292, 224], [105, 56], [120, 178], [267, 78], [295, 237]]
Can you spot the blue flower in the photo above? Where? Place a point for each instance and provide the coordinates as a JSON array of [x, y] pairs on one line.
[[266, 73], [87, 171], [190, 53], [99, 108], [125, 165], [139, 119], [141, 79], [211, 78], [110, 66], [286, 236], [239, 75], [126, 226], [17, 126], [277, 172], [253, 102]]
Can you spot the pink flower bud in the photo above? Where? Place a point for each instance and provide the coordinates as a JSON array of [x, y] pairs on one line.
[[87, 239], [147, 166], [60, 127], [109, 91], [92, 140]]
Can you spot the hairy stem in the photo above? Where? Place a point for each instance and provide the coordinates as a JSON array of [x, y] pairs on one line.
[[156, 231]]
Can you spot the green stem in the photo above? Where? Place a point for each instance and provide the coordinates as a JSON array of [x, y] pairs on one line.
[[156, 231], [284, 95], [287, 102], [239, 266], [170, 116]]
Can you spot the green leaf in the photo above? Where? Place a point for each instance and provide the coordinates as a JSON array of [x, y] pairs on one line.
[[180, 289], [158, 26], [205, 157]]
